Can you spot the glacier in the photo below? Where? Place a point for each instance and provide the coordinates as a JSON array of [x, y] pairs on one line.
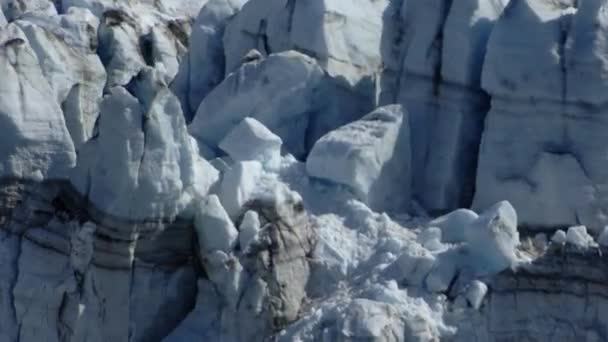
[[303, 170]]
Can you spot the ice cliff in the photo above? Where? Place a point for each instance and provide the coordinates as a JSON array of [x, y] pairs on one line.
[[303, 170]]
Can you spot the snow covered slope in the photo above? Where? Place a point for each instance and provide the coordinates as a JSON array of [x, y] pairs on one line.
[[303, 170]]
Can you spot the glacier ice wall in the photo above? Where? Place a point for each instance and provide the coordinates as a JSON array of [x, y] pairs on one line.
[[257, 170]]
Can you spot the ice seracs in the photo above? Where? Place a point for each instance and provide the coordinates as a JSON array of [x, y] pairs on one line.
[[277, 91], [370, 156], [579, 237], [297, 226], [71, 67], [35, 141], [345, 39], [204, 66], [143, 150], [559, 237], [119, 47]]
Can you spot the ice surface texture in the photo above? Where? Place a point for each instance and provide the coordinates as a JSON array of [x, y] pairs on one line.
[[303, 170]]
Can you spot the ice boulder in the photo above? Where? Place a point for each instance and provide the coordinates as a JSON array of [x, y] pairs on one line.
[[251, 140], [371, 156], [579, 237], [239, 185], [454, 225], [143, 150], [476, 293], [214, 229], [412, 266], [559, 237], [493, 238], [35, 142], [277, 91], [249, 230]]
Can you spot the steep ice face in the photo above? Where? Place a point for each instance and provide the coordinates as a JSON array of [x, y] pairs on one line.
[[35, 142], [344, 38], [554, 142], [433, 51], [204, 65]]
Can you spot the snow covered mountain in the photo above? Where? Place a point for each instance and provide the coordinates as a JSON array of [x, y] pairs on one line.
[[303, 170]]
